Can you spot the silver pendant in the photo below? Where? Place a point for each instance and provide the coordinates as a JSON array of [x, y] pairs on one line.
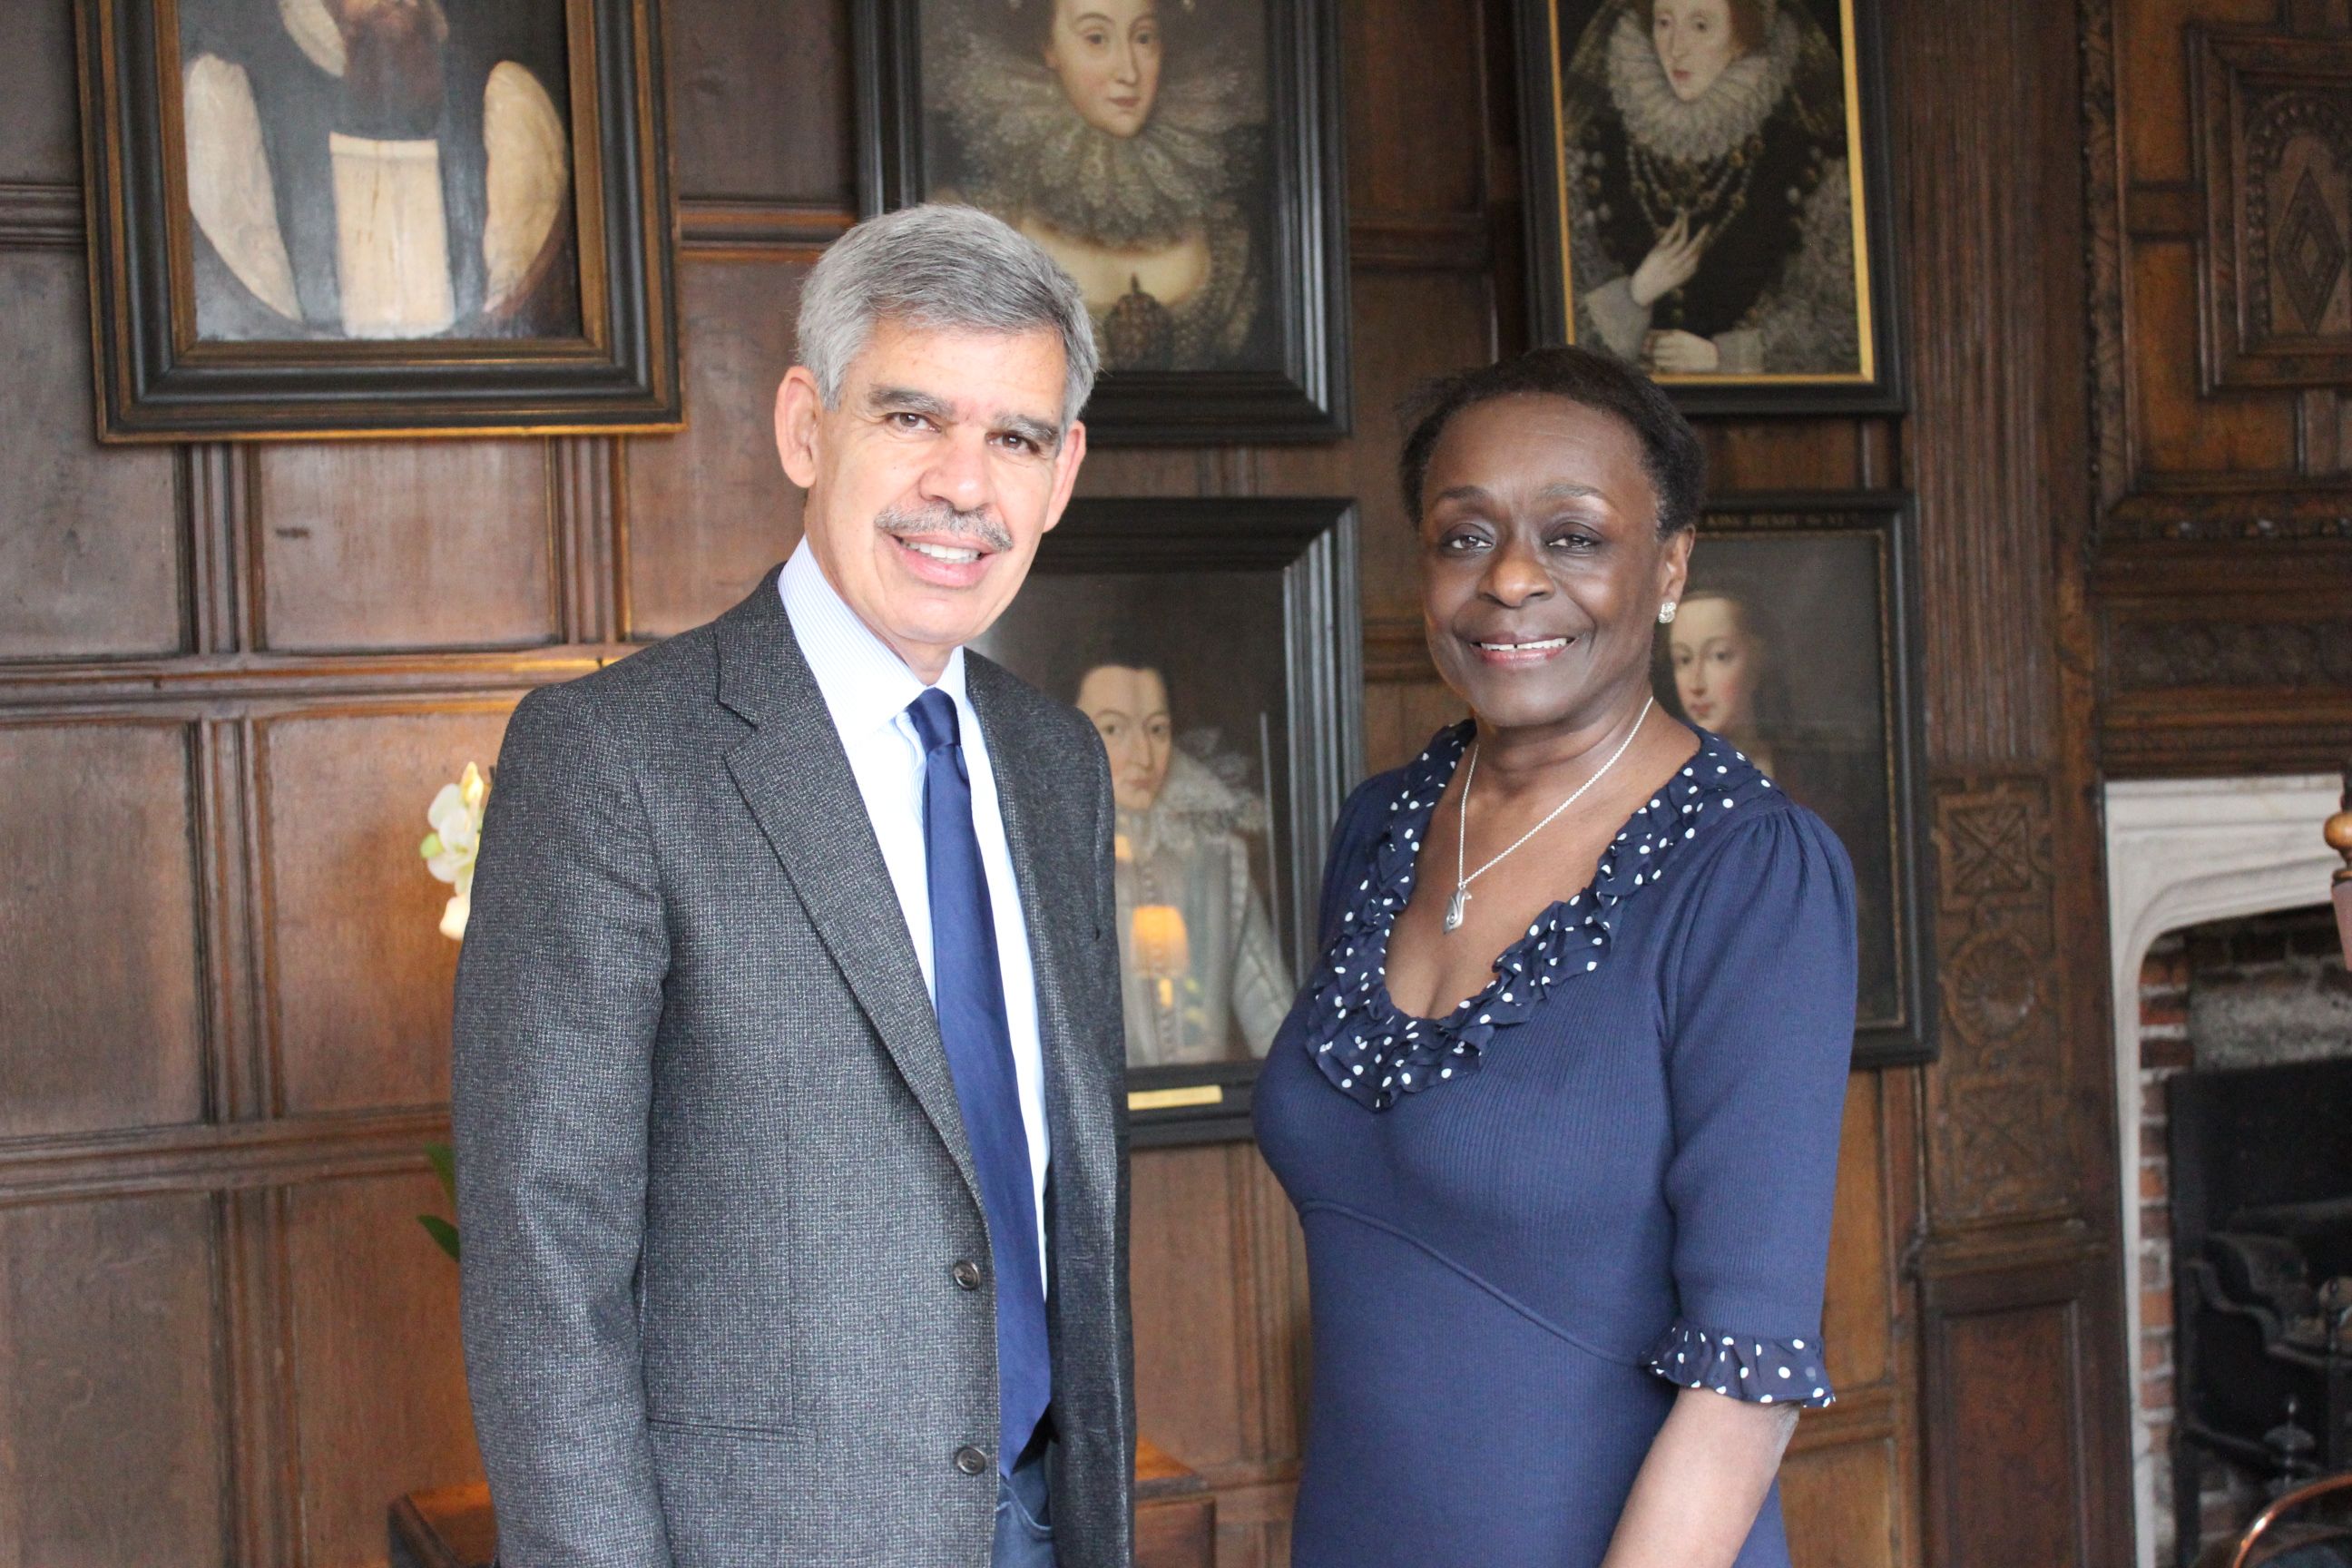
[[1454, 908]]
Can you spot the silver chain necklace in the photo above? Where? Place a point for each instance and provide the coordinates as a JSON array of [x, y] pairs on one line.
[[1462, 832]]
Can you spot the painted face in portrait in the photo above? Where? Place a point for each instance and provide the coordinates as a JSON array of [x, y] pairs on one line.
[[933, 479], [1542, 569], [1130, 707], [1696, 40], [1718, 663], [1107, 54]]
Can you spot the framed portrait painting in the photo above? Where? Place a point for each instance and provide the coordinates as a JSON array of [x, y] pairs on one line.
[[1180, 158], [1796, 641], [1706, 196], [1214, 645], [371, 217]]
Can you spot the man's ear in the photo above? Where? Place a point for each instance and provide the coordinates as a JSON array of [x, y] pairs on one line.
[[797, 409], [1065, 471]]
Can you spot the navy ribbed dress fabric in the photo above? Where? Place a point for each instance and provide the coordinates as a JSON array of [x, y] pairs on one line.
[[1609, 1173]]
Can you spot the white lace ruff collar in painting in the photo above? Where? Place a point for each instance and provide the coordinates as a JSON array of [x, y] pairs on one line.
[[1733, 108]]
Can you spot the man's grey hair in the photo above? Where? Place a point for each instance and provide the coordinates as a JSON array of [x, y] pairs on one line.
[[940, 267]]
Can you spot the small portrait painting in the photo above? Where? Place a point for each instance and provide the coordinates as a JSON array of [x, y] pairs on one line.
[[1128, 139], [1190, 740], [1211, 644], [1710, 219], [379, 169], [1789, 642]]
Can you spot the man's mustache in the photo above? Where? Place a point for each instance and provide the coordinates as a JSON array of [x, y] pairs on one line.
[[940, 518]]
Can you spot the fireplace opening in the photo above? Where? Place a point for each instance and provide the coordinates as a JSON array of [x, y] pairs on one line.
[[2245, 1279]]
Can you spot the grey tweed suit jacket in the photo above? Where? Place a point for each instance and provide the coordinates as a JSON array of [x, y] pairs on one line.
[[712, 1179]]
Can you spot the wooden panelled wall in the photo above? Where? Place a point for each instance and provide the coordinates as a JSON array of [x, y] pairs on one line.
[[230, 679], [2220, 134]]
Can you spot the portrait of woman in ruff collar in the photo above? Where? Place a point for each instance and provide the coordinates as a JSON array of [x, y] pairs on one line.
[[1126, 137], [1710, 202]]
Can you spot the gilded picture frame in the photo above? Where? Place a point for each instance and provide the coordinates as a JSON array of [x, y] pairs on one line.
[[1706, 196], [1181, 158], [328, 219], [1216, 645]]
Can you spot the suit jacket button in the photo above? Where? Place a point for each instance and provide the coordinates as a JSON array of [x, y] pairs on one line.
[[971, 1461], [967, 1274]]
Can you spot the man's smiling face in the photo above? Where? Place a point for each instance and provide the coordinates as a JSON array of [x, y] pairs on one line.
[[932, 482]]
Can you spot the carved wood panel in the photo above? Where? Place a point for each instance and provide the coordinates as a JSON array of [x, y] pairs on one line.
[[358, 974], [2272, 121], [708, 509], [1997, 1099], [98, 932], [396, 545], [90, 546], [110, 1400], [2219, 197], [378, 1389]]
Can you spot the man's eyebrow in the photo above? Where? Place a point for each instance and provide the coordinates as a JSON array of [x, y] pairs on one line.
[[906, 400], [1044, 436]]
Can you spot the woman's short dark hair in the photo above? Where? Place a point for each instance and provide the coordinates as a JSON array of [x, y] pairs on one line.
[[1671, 453]]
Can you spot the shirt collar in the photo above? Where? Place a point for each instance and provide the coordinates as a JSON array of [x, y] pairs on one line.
[[866, 686]]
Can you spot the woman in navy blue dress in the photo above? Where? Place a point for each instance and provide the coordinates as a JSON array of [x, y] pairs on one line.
[[1566, 1237]]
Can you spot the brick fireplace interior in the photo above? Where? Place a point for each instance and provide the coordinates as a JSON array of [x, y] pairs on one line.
[[2258, 991]]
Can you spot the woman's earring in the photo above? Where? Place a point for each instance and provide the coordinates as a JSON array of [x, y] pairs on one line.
[[1666, 612]]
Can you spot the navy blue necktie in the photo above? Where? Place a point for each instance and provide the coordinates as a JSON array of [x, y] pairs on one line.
[[968, 990]]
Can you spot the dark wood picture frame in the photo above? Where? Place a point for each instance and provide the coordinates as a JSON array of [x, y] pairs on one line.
[[158, 381], [1878, 389], [1305, 271], [1302, 554], [1885, 829]]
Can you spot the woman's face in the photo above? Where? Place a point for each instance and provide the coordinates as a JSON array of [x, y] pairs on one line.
[[1718, 665], [1107, 53], [1695, 43], [1542, 570], [1129, 708]]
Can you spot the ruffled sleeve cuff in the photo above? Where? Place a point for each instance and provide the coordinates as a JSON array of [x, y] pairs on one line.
[[1762, 1372]]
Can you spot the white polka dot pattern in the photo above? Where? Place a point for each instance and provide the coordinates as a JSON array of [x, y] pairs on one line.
[[1374, 1052], [1762, 1372]]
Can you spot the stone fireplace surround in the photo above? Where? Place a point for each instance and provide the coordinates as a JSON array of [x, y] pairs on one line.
[[2181, 853]]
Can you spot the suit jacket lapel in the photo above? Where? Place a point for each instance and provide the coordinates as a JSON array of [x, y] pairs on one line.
[[1055, 869], [795, 777]]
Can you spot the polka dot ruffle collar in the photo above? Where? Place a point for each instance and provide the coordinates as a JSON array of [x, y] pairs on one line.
[[1376, 1053]]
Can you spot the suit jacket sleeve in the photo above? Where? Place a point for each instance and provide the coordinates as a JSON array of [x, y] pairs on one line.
[[559, 996]]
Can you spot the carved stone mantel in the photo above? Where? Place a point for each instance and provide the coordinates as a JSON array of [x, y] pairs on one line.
[[2180, 852]]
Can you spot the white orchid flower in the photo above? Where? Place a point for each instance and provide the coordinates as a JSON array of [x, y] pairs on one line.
[[455, 814]]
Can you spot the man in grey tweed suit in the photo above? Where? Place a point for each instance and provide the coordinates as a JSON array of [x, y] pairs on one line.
[[792, 1166]]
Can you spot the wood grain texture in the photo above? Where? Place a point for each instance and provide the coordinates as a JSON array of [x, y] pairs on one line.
[[1404, 57], [1840, 1504], [1980, 92], [396, 545], [2017, 1494], [99, 954], [109, 1387], [89, 539], [38, 138], [1411, 327], [759, 100], [378, 1386], [359, 976], [709, 509]]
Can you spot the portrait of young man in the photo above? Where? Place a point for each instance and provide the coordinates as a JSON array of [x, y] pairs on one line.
[[788, 1056]]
